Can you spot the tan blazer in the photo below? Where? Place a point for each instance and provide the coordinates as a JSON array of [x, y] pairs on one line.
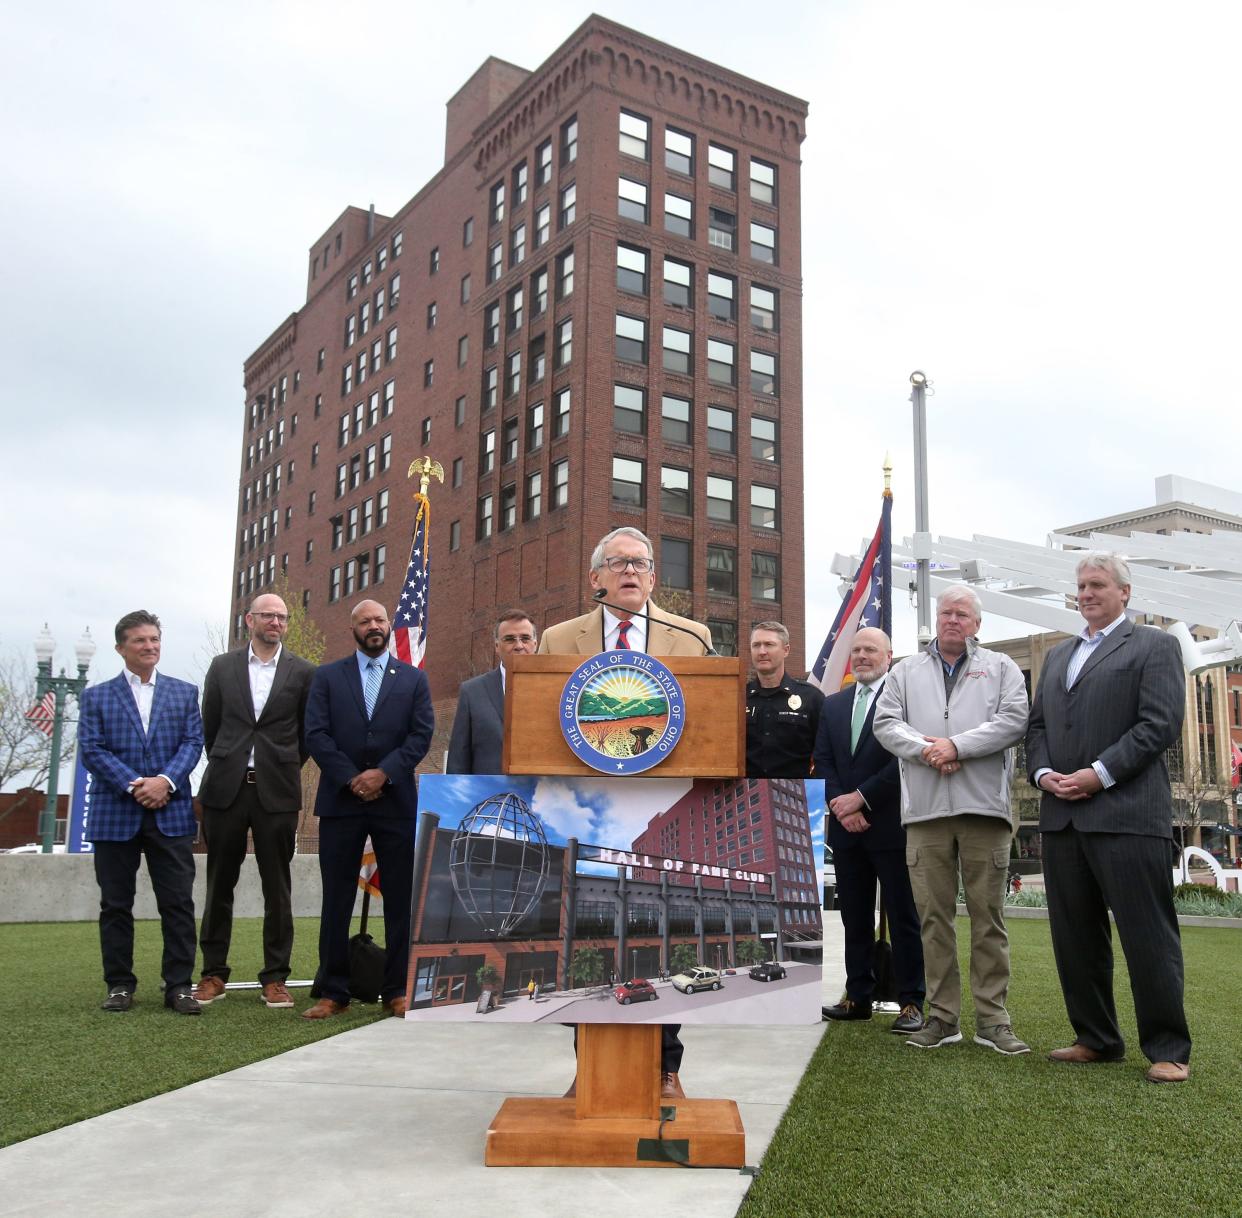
[[585, 635]]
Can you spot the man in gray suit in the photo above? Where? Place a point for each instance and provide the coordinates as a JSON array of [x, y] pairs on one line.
[[253, 703], [479, 725], [1109, 704]]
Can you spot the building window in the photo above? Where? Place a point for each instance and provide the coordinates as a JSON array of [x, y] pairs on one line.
[[519, 184], [539, 292], [463, 350], [632, 200], [426, 431], [721, 505], [390, 397], [390, 352], [508, 507], [721, 361], [720, 430], [334, 584], [351, 330], [491, 325], [381, 563], [762, 307], [310, 504], [763, 378], [433, 312], [491, 388], [433, 260], [394, 291], [351, 530], [385, 460], [569, 205], [762, 242], [483, 526], [565, 275], [381, 509], [487, 452], [629, 409], [762, 181], [314, 455], [763, 506], [678, 283], [458, 467], [722, 167], [678, 215], [721, 296], [310, 549], [429, 373], [344, 430], [678, 151], [632, 270], [364, 317], [398, 241], [495, 262], [724, 639], [634, 136], [342, 479], [351, 287], [465, 289], [569, 141], [721, 228], [455, 535], [532, 504], [459, 411], [560, 414], [347, 378], [534, 427], [543, 224], [675, 562], [765, 576], [515, 305], [721, 571], [467, 231], [338, 531], [509, 443], [677, 355], [560, 483], [675, 420], [627, 482], [631, 337], [517, 245], [543, 163], [674, 490], [379, 298]]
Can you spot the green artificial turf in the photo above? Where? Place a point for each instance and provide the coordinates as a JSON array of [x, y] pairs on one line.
[[64, 1059], [879, 1128]]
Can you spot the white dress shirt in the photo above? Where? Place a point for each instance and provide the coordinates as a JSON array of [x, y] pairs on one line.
[[262, 674], [144, 696], [637, 632]]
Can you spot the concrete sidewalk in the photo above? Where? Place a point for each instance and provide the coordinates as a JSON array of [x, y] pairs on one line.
[[391, 1118]]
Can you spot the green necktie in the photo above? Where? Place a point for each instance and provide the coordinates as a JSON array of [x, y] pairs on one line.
[[860, 715]]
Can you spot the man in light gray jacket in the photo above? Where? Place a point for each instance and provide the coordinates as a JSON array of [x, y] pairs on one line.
[[951, 715]]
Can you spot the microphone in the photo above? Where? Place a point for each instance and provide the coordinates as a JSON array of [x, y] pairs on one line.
[[599, 594]]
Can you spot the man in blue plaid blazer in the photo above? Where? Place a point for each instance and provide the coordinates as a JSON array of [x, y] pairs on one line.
[[141, 735]]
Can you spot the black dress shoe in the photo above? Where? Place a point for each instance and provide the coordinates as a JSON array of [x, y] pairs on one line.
[[910, 1020], [119, 999], [847, 1008], [183, 1002]]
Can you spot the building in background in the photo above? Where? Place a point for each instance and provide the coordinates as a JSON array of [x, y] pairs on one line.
[[591, 317]]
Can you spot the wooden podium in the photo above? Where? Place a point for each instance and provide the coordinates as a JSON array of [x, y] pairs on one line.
[[617, 1117]]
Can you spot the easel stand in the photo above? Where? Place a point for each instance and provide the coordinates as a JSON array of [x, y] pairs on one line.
[[615, 1118]]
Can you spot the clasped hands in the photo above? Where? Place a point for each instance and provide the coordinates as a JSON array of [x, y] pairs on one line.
[[848, 810], [941, 754], [368, 785], [151, 793], [1081, 784]]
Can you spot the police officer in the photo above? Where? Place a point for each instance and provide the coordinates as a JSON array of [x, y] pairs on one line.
[[782, 713]]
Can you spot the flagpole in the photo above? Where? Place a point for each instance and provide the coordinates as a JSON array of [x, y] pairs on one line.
[[922, 536]]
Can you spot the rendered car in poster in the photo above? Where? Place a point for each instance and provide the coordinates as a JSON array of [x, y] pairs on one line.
[[769, 970], [637, 990], [695, 979]]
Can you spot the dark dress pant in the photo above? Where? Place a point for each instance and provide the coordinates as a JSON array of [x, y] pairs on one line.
[[170, 864], [274, 835], [1086, 875], [341, 839]]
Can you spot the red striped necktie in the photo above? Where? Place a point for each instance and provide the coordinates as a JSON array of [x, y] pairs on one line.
[[623, 634]]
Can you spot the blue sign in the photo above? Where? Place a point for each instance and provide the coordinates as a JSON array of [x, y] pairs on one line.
[[622, 712], [80, 808]]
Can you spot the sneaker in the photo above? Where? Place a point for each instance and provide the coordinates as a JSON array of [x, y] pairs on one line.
[[275, 996], [208, 990], [119, 999], [999, 1036], [935, 1032], [910, 1020], [847, 1008], [182, 1001]]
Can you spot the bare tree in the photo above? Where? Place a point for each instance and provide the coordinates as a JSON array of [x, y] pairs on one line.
[[25, 751], [1195, 798]]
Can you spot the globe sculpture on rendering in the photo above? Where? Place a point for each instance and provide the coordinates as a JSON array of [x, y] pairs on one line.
[[498, 862]]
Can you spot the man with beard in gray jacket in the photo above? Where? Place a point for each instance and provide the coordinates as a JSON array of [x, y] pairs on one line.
[[951, 715]]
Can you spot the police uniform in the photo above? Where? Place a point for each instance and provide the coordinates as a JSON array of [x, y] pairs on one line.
[[781, 725]]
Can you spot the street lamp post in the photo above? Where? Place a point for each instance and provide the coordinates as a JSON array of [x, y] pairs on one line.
[[922, 534], [60, 687]]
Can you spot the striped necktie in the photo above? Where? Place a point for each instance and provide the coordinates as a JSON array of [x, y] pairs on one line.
[[860, 715], [623, 634], [375, 672]]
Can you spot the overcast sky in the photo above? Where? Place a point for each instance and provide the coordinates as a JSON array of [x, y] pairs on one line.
[[1035, 203]]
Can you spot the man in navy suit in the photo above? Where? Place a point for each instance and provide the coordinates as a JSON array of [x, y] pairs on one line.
[[368, 724], [141, 735], [479, 725], [862, 784]]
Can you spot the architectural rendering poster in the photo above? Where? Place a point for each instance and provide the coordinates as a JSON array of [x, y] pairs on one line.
[[602, 900]]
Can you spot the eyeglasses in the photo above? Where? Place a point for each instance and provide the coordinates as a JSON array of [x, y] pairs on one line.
[[271, 617], [517, 638], [640, 565]]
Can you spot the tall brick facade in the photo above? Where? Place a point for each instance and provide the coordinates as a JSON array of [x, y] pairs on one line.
[[625, 186]]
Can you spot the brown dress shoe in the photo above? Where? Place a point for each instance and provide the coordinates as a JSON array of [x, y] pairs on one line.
[[396, 1006], [276, 996], [325, 1008], [208, 990], [670, 1087], [1080, 1053], [1168, 1072]]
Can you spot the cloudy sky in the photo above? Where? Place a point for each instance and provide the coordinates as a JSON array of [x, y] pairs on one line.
[[1035, 203]]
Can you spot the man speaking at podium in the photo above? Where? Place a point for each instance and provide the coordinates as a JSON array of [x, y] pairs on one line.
[[622, 576]]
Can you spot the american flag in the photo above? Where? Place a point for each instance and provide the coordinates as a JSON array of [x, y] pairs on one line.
[[869, 602], [43, 713], [409, 618]]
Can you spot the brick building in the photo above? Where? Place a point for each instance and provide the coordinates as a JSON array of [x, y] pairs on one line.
[[591, 316]]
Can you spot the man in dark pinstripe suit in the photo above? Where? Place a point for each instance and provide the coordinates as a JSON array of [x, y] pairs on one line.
[[1109, 704]]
